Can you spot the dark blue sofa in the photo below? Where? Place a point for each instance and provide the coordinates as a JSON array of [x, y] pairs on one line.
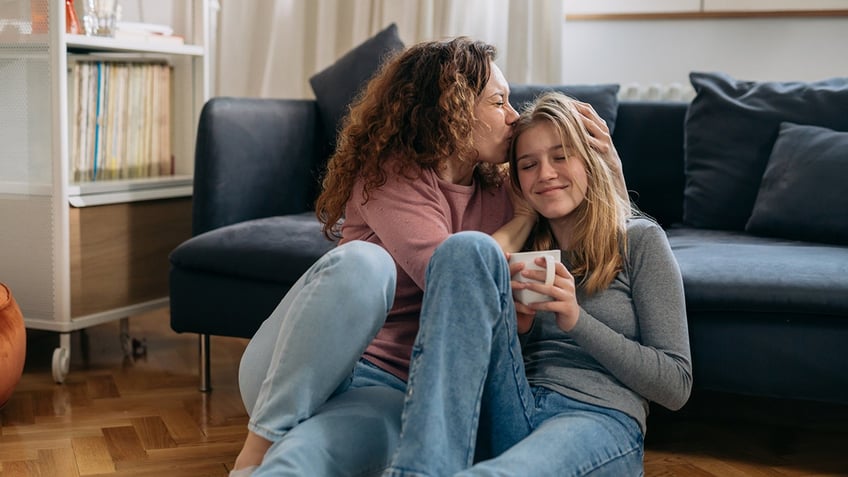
[[767, 317]]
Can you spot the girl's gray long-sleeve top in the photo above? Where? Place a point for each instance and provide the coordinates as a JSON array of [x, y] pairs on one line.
[[631, 342]]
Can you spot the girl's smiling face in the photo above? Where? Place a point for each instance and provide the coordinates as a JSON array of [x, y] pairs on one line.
[[551, 175]]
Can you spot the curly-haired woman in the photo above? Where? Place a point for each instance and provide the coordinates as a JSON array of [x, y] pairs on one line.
[[418, 159]]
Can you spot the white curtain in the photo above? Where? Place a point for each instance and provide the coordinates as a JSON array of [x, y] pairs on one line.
[[270, 48]]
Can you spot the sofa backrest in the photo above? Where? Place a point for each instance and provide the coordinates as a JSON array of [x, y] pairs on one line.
[[264, 157], [649, 138]]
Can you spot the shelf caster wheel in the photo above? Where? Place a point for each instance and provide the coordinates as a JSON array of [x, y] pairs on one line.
[[126, 340], [127, 346], [61, 364], [139, 347]]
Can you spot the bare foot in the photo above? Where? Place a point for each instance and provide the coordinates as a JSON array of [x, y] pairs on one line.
[[253, 451]]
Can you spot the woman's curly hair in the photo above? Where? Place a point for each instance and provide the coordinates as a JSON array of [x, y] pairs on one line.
[[418, 111]]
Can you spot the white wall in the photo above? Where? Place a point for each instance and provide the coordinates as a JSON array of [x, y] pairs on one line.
[[665, 51]]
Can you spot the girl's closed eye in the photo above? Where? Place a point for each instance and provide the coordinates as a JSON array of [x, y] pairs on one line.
[[526, 165]]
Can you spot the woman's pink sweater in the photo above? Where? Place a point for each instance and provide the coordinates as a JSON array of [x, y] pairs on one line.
[[410, 218]]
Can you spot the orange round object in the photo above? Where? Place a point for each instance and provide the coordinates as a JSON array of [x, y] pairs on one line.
[[12, 344]]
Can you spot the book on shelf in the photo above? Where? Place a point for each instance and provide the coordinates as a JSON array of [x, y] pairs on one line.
[[121, 112]]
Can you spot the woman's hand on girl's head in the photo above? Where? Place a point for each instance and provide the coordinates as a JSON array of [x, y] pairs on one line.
[[599, 133], [601, 141], [563, 291]]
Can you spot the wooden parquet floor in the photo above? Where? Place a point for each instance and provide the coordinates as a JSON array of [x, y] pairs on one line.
[[113, 416], [145, 417]]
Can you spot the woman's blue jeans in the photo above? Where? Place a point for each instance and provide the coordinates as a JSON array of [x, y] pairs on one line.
[[326, 412], [467, 373]]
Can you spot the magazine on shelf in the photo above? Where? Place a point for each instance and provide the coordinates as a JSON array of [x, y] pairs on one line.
[[121, 115], [147, 33]]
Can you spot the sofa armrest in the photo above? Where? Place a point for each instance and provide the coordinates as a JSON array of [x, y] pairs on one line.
[[254, 158]]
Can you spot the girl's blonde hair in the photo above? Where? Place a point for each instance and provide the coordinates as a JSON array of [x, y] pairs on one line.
[[599, 239], [418, 111]]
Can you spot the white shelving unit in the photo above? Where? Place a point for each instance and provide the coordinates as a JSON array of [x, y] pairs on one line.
[[52, 231]]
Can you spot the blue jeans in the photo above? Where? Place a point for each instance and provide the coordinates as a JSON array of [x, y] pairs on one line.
[[326, 412], [467, 373]]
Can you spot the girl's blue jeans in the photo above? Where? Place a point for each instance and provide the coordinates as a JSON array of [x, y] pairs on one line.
[[468, 399], [326, 412]]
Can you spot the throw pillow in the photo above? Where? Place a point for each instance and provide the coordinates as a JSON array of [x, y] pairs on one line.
[[801, 196], [730, 129], [336, 86], [602, 97]]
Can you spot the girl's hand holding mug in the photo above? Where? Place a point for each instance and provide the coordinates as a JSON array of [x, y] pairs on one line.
[[540, 282]]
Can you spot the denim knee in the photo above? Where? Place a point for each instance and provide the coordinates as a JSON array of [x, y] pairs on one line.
[[462, 247], [367, 258], [473, 257], [369, 262]]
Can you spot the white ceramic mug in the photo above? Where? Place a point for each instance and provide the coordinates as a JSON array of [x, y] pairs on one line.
[[552, 257]]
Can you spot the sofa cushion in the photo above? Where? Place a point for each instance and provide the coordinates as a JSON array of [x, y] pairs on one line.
[[801, 196], [336, 86], [736, 272], [276, 249], [602, 97], [731, 126]]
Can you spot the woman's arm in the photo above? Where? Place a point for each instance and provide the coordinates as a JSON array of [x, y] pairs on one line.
[[512, 236], [408, 218]]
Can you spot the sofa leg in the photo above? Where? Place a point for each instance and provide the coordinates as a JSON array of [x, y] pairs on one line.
[[205, 365]]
